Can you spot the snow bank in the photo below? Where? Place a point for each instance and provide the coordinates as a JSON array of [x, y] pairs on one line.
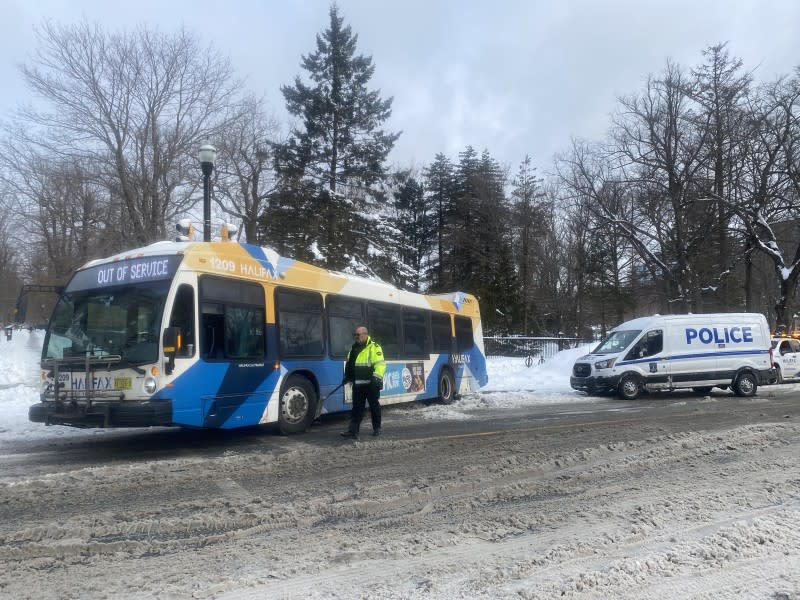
[[19, 388]]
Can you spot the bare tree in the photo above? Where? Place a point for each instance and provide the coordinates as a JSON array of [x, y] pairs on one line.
[[770, 194], [135, 105], [720, 87], [606, 230], [60, 209], [9, 273], [659, 149], [245, 177]]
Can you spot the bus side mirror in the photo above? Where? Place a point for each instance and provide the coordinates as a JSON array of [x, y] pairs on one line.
[[172, 344]]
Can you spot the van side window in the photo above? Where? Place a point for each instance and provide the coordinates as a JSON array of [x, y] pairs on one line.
[[651, 343]]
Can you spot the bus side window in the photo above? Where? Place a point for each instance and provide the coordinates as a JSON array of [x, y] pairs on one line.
[[415, 333], [344, 315], [465, 340], [213, 331], [300, 327], [441, 333], [232, 319], [183, 317], [384, 327]]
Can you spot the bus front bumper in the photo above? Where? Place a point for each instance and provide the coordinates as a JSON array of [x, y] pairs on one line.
[[123, 413]]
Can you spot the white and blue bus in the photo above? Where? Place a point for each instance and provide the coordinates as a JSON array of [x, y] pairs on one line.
[[224, 335]]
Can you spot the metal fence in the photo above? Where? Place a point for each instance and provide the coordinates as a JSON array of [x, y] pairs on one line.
[[537, 349]]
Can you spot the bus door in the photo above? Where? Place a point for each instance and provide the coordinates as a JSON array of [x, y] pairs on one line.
[[235, 378]]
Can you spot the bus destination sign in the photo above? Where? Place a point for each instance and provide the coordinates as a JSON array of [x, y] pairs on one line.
[[123, 272]]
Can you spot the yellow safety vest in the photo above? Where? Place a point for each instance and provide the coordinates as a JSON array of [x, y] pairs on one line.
[[368, 362]]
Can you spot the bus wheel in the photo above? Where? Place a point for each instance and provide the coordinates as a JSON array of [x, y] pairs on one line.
[[447, 387], [630, 386], [298, 405], [745, 384]]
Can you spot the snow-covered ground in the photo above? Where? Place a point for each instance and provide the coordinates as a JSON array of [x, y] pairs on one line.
[[613, 509], [19, 388]]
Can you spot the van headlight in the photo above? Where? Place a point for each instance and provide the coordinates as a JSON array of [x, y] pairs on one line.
[[150, 385], [605, 364]]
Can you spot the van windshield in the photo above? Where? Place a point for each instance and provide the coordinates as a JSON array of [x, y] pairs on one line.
[[616, 342]]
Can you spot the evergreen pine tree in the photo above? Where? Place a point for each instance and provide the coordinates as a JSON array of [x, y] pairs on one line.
[[460, 258], [494, 273], [527, 218], [338, 149], [415, 223], [477, 245], [440, 186]]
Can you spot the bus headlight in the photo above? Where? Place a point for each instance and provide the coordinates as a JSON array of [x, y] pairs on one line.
[[150, 385]]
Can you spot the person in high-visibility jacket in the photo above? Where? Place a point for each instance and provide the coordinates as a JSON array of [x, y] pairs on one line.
[[364, 369]]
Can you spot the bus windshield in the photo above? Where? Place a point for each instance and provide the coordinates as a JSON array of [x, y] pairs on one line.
[[120, 321], [616, 342]]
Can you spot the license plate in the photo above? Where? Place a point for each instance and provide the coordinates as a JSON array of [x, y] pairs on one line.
[[122, 383]]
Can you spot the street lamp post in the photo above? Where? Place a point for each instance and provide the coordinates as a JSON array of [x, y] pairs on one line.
[[208, 155]]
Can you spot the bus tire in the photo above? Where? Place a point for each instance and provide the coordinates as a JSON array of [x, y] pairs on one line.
[[630, 386], [446, 386], [298, 405], [745, 384]]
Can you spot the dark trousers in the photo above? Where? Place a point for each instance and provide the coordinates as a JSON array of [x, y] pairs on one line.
[[361, 395]]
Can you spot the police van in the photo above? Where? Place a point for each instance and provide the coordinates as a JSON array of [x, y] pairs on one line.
[[662, 353]]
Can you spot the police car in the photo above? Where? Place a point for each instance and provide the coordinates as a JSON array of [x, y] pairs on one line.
[[786, 358]]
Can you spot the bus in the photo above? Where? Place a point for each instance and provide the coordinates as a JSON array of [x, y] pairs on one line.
[[225, 334]]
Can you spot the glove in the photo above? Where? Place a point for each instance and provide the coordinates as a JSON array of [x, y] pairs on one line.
[[377, 382]]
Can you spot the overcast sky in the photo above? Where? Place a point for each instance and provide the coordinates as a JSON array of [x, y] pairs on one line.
[[515, 77]]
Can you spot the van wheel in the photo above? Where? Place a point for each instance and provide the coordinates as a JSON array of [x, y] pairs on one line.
[[298, 405], [446, 387], [778, 375], [745, 385], [630, 387]]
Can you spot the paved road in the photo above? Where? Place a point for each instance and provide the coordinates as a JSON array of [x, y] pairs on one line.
[[593, 420], [590, 498]]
